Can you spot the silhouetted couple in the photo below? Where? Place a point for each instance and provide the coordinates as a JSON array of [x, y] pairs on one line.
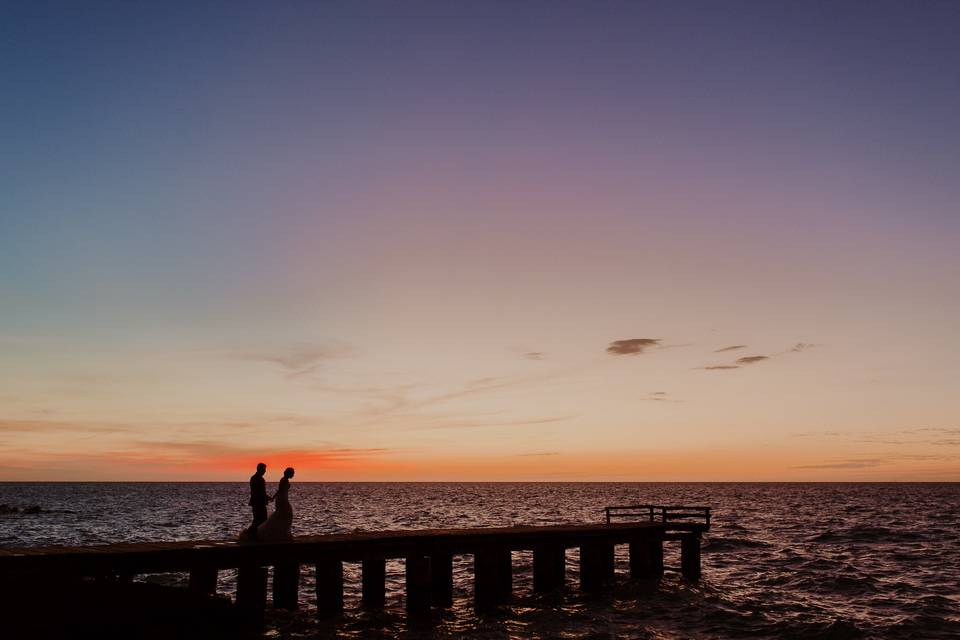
[[275, 528]]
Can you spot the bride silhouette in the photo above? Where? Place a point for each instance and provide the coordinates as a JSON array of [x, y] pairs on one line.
[[277, 526]]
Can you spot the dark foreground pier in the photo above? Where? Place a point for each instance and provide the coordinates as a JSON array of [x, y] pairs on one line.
[[428, 556]]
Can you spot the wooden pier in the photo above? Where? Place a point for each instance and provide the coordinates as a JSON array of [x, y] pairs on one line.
[[427, 554]]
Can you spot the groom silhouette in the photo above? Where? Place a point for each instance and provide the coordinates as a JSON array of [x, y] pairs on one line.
[[258, 499]]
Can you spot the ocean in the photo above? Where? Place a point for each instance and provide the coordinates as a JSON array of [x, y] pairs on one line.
[[781, 560]]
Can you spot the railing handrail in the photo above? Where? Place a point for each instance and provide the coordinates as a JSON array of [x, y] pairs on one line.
[[661, 513]]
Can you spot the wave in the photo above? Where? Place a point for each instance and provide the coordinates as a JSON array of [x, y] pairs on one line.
[[866, 533], [715, 544]]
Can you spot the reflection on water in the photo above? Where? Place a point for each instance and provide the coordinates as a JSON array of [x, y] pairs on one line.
[[782, 560]]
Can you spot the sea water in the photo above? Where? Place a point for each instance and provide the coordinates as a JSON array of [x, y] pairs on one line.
[[780, 561]]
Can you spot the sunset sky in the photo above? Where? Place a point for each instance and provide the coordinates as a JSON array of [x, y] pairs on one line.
[[480, 241]]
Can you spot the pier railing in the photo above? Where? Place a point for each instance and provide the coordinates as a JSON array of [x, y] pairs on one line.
[[664, 514]]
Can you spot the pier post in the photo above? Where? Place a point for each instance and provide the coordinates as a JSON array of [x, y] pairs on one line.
[[596, 565], [690, 556], [203, 579], [373, 579], [493, 577], [646, 558], [286, 585], [418, 585], [549, 568], [441, 579], [329, 587], [252, 592]]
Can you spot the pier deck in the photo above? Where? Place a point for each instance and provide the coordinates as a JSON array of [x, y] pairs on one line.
[[428, 556]]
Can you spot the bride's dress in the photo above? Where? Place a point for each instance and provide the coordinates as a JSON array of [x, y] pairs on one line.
[[277, 526]]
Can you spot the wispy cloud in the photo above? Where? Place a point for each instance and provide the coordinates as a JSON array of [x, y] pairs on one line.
[[749, 360], [293, 360], [862, 463], [65, 426], [447, 422], [632, 346], [535, 355], [914, 435], [807, 434], [659, 396]]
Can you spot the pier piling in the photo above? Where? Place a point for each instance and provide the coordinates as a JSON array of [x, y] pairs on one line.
[[493, 577], [418, 585], [203, 579], [646, 558], [329, 587], [441, 579], [252, 592], [549, 567], [690, 556], [596, 565], [373, 579], [286, 585]]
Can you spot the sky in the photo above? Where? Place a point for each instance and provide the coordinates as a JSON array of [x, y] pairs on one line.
[[551, 241]]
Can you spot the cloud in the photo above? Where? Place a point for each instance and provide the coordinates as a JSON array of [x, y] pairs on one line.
[[204, 455], [846, 464], [538, 454], [65, 426], [441, 422], [535, 355], [632, 346], [806, 434], [659, 396], [294, 360], [748, 360]]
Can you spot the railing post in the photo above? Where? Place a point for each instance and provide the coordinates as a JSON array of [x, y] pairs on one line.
[[286, 585], [329, 587], [373, 580], [690, 556], [549, 567], [418, 585], [441, 578], [596, 564], [252, 592]]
